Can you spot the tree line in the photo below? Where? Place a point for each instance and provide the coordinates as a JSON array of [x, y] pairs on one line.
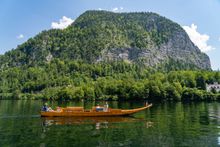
[[76, 80]]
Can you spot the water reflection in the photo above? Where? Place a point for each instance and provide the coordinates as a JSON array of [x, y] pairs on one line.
[[93, 131], [167, 124], [99, 122]]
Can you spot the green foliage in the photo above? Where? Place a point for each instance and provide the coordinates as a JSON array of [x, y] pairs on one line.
[[172, 92], [75, 80], [65, 94]]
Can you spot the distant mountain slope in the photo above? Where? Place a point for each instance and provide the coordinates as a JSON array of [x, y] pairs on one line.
[[141, 38]]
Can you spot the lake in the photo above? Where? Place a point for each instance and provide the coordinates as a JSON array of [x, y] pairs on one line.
[[167, 124]]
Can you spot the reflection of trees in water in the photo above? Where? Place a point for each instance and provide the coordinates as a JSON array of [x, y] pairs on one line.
[[99, 125], [95, 131], [98, 121]]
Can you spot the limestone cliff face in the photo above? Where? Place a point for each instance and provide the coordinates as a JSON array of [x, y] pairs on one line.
[[141, 38], [178, 47]]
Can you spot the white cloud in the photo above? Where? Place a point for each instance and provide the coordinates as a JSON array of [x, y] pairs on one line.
[[116, 9], [20, 36], [198, 39], [219, 39], [63, 23]]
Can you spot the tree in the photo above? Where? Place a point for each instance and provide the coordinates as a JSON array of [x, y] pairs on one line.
[[172, 93], [89, 93], [200, 82], [65, 94]]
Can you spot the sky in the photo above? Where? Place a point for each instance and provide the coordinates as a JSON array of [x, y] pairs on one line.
[[23, 19]]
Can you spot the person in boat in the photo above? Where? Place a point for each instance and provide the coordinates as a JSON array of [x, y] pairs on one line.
[[106, 107], [98, 108], [45, 107], [58, 109], [50, 109]]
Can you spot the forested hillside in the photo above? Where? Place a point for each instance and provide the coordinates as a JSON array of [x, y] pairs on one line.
[[146, 39], [109, 56], [74, 80]]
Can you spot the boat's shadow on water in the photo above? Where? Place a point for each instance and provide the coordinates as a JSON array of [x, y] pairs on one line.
[[99, 122]]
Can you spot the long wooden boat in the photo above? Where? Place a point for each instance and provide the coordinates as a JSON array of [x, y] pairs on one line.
[[81, 112]]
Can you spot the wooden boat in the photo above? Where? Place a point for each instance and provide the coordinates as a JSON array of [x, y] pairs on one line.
[[81, 112]]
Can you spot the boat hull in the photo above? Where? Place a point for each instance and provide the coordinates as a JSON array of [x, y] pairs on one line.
[[111, 112]]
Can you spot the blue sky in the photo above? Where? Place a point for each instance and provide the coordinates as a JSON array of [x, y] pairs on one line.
[[22, 19]]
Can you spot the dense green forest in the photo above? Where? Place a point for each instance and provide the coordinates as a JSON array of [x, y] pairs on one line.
[[76, 80], [109, 56]]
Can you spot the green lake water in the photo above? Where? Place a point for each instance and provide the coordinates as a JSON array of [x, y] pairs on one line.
[[163, 125]]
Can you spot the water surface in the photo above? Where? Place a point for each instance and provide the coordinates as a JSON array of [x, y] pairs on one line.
[[167, 124]]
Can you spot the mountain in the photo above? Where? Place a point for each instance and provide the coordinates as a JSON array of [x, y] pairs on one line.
[[146, 39], [108, 56]]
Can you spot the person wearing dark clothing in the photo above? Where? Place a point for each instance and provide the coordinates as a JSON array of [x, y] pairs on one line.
[[45, 107]]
